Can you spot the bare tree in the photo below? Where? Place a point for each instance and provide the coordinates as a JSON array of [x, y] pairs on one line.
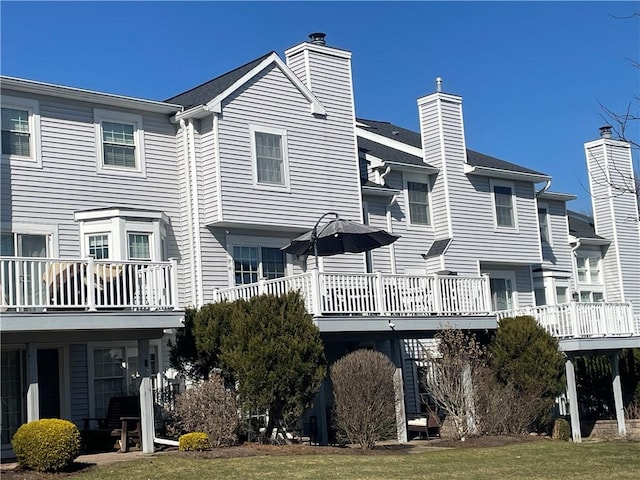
[[453, 370]]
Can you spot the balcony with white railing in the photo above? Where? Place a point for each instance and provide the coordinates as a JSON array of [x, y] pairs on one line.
[[30, 284], [581, 320], [376, 294]]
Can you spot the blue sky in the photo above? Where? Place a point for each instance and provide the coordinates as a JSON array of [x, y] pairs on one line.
[[531, 74]]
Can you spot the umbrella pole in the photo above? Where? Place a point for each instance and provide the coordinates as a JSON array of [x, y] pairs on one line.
[[314, 234]]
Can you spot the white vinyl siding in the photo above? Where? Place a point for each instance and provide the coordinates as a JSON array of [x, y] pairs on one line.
[[21, 131]]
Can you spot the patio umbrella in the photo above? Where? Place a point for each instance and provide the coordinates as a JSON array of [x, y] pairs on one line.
[[339, 236]]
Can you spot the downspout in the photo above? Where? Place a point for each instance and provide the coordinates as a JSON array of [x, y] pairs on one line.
[[574, 265], [185, 147], [392, 250], [544, 189], [196, 224]]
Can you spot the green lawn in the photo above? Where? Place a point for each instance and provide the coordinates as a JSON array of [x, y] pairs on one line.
[[535, 460]]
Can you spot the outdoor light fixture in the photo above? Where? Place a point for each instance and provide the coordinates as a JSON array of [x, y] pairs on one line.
[[392, 325]]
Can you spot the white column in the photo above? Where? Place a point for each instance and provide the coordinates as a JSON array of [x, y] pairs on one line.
[[470, 404], [33, 403], [617, 394], [146, 415], [398, 387], [573, 400]]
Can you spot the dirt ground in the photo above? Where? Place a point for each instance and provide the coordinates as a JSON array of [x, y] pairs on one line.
[[85, 462]]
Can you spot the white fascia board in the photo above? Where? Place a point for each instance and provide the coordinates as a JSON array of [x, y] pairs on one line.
[[316, 108], [120, 212], [258, 226], [60, 91], [593, 241], [506, 174], [379, 191], [336, 52], [447, 97], [562, 197], [199, 111], [408, 167], [607, 141], [403, 147]]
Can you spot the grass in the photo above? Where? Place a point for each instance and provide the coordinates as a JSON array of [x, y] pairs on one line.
[[535, 460]]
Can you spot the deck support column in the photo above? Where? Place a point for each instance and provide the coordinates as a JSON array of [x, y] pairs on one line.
[[33, 401], [469, 400], [398, 387], [572, 393], [617, 394], [146, 397], [323, 427]]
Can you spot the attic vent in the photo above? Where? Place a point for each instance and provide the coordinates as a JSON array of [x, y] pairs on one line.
[[318, 38], [395, 132]]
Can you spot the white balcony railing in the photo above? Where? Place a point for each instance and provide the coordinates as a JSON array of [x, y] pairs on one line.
[[37, 284], [376, 293], [581, 320]]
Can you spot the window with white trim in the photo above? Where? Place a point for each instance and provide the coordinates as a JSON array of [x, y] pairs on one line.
[[543, 222], [139, 246], [269, 156], [98, 246], [503, 203], [253, 263], [588, 269], [109, 370], [21, 130], [502, 293], [119, 138], [418, 199]]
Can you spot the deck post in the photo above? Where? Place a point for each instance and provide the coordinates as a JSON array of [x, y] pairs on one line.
[[91, 288], [398, 387], [573, 314], [572, 393], [470, 404], [437, 294], [146, 415], [174, 284], [315, 292], [33, 401], [617, 394], [379, 294]]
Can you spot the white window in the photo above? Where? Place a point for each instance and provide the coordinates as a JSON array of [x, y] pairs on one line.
[[98, 246], [561, 295], [109, 369], [418, 199], [254, 263], [119, 137], [588, 269], [591, 297], [269, 155], [543, 222], [21, 130], [138, 246], [504, 204]]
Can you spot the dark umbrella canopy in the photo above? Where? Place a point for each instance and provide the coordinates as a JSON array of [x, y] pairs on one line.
[[339, 236]]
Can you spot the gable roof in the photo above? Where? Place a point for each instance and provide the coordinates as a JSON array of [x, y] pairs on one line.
[[209, 96], [386, 153], [203, 93], [582, 226], [475, 159]]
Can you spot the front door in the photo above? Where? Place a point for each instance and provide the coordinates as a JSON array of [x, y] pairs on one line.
[[49, 383]]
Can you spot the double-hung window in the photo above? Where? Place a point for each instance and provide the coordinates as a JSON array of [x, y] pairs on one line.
[[253, 263], [588, 269], [418, 197], [503, 201], [21, 130], [119, 139], [269, 156], [98, 246]]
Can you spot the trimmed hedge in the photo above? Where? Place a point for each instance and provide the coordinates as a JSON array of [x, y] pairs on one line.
[[46, 445], [194, 441]]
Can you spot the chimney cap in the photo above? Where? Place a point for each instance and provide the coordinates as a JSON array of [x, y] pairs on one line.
[[605, 131], [318, 38]]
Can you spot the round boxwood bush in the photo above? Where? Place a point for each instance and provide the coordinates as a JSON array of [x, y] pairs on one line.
[[561, 430], [46, 445], [194, 441]]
